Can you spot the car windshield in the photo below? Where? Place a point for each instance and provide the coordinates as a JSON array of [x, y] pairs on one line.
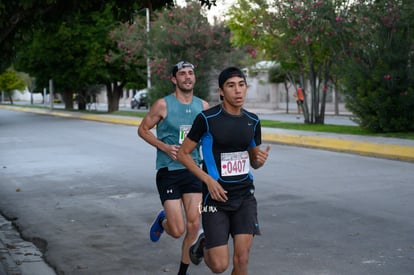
[[140, 94]]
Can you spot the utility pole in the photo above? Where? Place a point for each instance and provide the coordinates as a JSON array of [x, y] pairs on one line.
[[147, 14], [147, 11], [51, 93]]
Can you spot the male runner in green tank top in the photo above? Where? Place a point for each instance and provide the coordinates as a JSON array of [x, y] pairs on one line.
[[179, 189]]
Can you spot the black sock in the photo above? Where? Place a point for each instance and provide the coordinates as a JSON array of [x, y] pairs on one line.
[[183, 269]]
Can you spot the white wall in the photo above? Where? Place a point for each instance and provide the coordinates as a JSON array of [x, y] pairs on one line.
[[25, 96]]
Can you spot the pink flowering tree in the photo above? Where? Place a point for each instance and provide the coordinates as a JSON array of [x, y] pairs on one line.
[[363, 48], [378, 72], [179, 33], [302, 36]]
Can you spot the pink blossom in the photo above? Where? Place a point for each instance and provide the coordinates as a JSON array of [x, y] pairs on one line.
[[252, 52]]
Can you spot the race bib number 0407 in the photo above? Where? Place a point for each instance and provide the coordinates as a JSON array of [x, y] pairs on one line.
[[235, 163]]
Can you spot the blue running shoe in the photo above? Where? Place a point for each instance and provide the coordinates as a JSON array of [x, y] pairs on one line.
[[156, 229]]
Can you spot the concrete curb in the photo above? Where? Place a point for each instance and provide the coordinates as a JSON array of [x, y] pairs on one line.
[[101, 118], [340, 144], [19, 257], [391, 151]]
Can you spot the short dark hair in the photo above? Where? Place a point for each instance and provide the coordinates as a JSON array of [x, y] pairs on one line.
[[229, 73]]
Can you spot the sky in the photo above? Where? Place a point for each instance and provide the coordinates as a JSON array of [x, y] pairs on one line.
[[219, 10]]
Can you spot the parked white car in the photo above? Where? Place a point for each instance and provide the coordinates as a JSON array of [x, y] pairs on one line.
[[140, 99]]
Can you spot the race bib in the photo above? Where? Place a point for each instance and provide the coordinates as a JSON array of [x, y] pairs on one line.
[[235, 163], [184, 129]]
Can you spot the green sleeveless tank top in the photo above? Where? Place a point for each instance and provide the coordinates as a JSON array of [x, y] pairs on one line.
[[174, 127]]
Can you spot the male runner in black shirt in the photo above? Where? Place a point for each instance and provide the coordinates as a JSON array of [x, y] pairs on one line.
[[230, 137]]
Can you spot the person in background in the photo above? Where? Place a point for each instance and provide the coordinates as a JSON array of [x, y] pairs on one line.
[[230, 137], [299, 100], [178, 188]]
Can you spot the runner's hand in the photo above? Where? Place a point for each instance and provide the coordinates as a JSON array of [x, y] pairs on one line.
[[262, 155], [216, 191], [172, 151]]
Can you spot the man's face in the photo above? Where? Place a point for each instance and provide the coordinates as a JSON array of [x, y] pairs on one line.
[[234, 91], [185, 80]]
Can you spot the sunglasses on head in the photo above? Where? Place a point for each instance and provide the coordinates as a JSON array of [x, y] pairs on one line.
[[183, 64]]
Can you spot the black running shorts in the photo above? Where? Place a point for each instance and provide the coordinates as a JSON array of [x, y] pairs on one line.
[[172, 185], [219, 224]]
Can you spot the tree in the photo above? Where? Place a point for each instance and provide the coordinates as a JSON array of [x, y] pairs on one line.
[[300, 35], [85, 33], [9, 82], [378, 73], [364, 48], [74, 58], [180, 33], [18, 19]]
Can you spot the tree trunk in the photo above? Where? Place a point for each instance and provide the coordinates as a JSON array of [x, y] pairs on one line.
[[314, 91], [321, 117], [68, 99], [336, 100], [287, 97], [81, 98], [305, 109], [114, 92]]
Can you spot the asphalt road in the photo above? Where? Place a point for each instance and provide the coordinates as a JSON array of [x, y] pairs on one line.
[[86, 191]]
